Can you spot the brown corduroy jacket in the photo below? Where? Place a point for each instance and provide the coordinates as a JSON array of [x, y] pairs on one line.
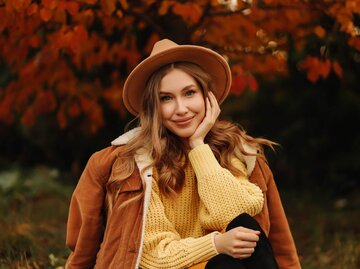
[[115, 241]]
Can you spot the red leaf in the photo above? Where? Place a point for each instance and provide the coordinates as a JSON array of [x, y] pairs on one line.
[[325, 68], [45, 102], [61, 119], [74, 109], [72, 7], [32, 9], [189, 11], [45, 14], [108, 6], [50, 4], [337, 69], [34, 41], [253, 85], [28, 118], [238, 85]]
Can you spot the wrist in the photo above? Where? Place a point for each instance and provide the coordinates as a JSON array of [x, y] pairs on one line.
[[217, 242], [195, 143]]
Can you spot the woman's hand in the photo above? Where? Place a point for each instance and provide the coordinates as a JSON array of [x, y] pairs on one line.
[[212, 113], [239, 242]]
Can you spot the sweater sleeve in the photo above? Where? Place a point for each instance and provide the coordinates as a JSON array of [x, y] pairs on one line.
[[163, 246], [223, 196]]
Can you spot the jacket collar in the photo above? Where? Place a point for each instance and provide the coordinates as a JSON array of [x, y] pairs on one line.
[[249, 160]]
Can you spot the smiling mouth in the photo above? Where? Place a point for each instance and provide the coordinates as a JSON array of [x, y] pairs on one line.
[[184, 121]]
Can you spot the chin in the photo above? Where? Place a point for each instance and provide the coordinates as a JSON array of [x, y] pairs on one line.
[[183, 134]]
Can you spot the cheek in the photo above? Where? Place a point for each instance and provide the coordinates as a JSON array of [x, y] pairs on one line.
[[202, 107], [165, 111]]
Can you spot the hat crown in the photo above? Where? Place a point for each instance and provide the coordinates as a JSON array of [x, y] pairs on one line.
[[162, 45]]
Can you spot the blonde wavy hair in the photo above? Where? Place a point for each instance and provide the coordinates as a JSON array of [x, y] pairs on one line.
[[166, 149]]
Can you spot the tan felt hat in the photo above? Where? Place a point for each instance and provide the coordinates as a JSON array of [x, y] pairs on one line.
[[165, 52]]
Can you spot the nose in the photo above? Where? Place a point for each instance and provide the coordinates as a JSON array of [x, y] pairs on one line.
[[181, 107]]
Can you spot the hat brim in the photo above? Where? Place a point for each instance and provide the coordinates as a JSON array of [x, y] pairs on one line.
[[211, 62]]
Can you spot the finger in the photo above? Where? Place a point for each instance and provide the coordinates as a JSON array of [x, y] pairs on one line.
[[208, 108], [245, 244], [245, 236], [243, 256], [214, 105], [248, 230], [245, 251], [213, 100]]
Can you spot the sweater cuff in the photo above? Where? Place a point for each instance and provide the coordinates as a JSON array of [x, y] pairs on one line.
[[203, 251], [203, 160], [213, 240]]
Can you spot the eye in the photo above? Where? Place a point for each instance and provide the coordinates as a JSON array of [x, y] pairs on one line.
[[190, 92], [165, 98]]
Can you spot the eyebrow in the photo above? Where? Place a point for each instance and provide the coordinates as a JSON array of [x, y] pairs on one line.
[[184, 89]]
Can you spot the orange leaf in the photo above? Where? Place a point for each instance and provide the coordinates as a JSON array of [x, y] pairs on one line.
[[60, 117], [3, 20], [191, 12], [238, 85], [32, 9], [319, 31], [124, 4], [34, 41], [50, 4], [74, 109], [44, 102], [5, 109], [28, 118], [355, 42], [312, 66], [20, 5], [45, 14], [79, 39], [90, 2], [325, 68], [337, 69], [164, 7], [253, 85], [72, 7], [108, 6]]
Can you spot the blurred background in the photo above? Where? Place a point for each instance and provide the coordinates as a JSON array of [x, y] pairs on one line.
[[296, 74]]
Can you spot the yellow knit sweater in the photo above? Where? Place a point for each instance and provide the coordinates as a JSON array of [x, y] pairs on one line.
[[180, 232]]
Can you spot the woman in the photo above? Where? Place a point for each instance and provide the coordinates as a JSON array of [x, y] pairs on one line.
[[179, 191]]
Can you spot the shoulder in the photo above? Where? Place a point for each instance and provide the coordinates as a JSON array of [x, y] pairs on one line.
[[101, 161], [261, 174], [105, 154]]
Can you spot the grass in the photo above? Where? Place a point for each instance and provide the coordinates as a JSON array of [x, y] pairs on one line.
[[326, 230], [34, 209]]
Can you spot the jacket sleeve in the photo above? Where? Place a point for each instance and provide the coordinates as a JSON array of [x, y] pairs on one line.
[[85, 220], [279, 235]]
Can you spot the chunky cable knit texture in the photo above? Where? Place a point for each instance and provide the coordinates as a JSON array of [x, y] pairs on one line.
[[180, 232]]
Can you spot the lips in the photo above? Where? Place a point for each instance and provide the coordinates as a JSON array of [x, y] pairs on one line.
[[183, 121]]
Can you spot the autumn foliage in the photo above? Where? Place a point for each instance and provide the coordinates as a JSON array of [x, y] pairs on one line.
[[69, 59]]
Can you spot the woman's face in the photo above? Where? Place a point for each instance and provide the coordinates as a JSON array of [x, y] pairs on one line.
[[182, 104]]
